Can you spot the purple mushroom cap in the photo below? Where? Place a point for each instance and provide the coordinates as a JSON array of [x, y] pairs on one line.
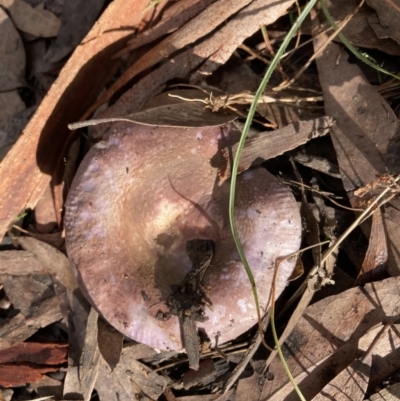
[[136, 200]]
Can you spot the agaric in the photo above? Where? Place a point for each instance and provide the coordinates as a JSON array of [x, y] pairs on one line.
[[137, 199]]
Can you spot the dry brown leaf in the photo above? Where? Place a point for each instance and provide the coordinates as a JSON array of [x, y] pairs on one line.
[[48, 386], [12, 55], [231, 34], [45, 216], [267, 145], [18, 375], [110, 343], [172, 19], [129, 380], [35, 21], [350, 384], [45, 136], [374, 265], [77, 17], [110, 387], [360, 114], [54, 261], [208, 397], [38, 353], [27, 292], [251, 387], [10, 132], [388, 15], [205, 371], [390, 393], [19, 263], [19, 328], [138, 351], [81, 379], [365, 123], [10, 104], [55, 239], [248, 21], [334, 332], [358, 31], [195, 29], [318, 163]]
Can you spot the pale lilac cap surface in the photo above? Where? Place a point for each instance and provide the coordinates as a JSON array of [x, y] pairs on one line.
[[136, 200]]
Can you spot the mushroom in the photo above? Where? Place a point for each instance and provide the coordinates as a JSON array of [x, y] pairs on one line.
[[140, 196]]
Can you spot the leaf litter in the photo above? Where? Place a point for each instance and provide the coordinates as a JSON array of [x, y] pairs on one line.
[[342, 345]]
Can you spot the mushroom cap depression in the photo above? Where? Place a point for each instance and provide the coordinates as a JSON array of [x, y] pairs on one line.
[[136, 200]]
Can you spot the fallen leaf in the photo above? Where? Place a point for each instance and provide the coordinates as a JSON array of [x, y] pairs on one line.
[[54, 261], [388, 15], [171, 20], [350, 384], [39, 146], [81, 379], [12, 55], [11, 129], [334, 332], [374, 264], [35, 21], [19, 263], [37, 353], [27, 292], [130, 378], [390, 393], [318, 163], [358, 31], [19, 328], [45, 216], [110, 343], [49, 387], [18, 375], [267, 145], [195, 377], [10, 104], [360, 112], [77, 17], [198, 27], [231, 34]]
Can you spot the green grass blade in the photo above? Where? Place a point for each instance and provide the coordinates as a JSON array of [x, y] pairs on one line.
[[358, 54], [245, 132]]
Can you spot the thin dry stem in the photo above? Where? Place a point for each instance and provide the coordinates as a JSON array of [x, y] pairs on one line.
[[286, 84]]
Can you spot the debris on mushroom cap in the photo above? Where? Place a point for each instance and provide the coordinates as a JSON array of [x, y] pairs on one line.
[[137, 199]]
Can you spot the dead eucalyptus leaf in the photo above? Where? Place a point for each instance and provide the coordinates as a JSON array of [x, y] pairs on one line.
[[358, 31], [374, 264], [266, 145], [110, 342], [204, 23], [20, 328], [12, 55], [10, 105], [185, 114], [388, 15], [172, 19], [46, 134], [35, 21], [209, 54], [78, 16], [360, 112], [338, 330], [390, 393]]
